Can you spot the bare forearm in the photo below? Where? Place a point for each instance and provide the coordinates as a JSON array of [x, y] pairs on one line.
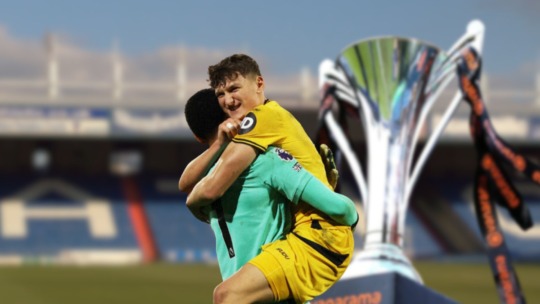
[[198, 167], [201, 195], [235, 159]]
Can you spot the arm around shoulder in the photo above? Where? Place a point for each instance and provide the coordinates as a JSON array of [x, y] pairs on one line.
[[198, 167], [234, 160], [337, 206]]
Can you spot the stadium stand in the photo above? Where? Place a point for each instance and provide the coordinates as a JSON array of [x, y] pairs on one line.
[[46, 217], [179, 236]]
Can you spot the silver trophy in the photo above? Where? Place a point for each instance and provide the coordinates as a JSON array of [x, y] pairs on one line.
[[393, 83]]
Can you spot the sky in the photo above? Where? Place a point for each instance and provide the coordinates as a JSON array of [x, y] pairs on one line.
[[285, 36]]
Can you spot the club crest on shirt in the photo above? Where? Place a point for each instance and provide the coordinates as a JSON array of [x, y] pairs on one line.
[[284, 155], [248, 123]]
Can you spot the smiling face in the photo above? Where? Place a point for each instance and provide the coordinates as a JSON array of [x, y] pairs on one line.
[[240, 95]]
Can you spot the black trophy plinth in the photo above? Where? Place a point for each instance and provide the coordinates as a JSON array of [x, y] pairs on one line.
[[385, 288]]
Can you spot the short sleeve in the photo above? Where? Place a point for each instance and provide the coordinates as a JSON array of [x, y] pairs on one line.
[[261, 128]]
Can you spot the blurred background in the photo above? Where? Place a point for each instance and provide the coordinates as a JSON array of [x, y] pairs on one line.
[[93, 137]]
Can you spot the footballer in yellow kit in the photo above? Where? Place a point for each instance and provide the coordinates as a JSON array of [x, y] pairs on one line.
[[313, 269]]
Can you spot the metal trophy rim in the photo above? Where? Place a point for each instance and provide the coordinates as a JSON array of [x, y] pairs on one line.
[[398, 37]]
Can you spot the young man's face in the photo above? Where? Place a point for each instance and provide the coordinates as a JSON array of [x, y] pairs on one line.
[[240, 95]]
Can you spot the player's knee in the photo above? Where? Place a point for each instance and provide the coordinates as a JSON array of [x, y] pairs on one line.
[[226, 293], [221, 294]]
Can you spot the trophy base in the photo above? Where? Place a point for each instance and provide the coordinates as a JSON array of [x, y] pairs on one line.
[[384, 288], [381, 258]]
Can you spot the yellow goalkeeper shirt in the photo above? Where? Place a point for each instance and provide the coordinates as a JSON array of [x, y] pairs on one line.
[[270, 124]]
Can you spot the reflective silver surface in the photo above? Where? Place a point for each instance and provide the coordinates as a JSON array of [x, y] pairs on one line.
[[389, 76]]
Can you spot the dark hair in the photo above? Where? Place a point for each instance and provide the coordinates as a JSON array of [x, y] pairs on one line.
[[203, 113], [230, 68]]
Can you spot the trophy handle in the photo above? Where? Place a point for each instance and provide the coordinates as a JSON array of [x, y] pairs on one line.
[[474, 36], [328, 73], [350, 156]]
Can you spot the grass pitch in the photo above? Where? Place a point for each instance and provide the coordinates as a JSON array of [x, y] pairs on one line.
[[474, 283], [156, 283], [194, 283]]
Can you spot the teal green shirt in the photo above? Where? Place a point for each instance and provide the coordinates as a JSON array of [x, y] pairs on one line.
[[256, 211]]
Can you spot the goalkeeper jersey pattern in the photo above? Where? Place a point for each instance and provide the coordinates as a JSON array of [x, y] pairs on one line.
[[256, 207], [270, 124]]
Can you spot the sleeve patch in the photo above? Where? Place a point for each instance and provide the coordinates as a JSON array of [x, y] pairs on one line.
[[248, 123], [284, 155]]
